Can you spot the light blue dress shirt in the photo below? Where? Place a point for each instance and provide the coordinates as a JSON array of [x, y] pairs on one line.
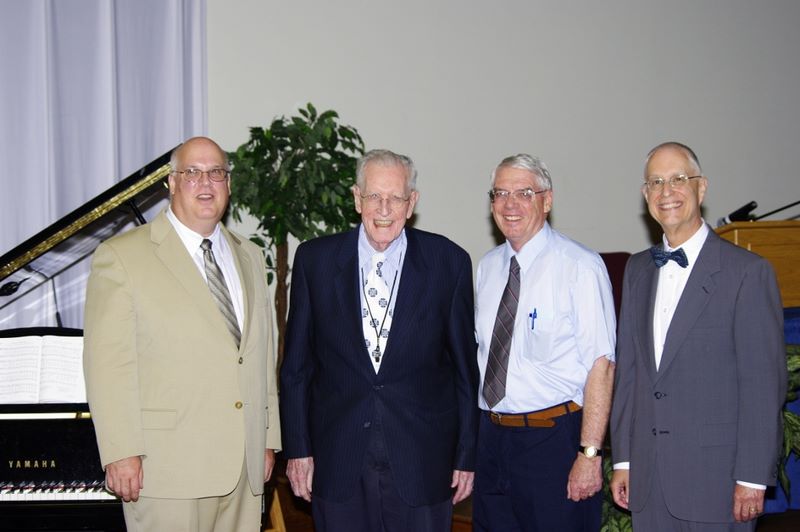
[[565, 319]]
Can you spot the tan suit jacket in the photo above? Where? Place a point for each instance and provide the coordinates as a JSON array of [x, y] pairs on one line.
[[164, 378]]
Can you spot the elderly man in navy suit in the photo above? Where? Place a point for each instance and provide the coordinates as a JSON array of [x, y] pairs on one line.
[[379, 383], [701, 367]]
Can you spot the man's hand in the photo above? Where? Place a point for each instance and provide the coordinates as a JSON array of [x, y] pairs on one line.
[[585, 478], [748, 503], [300, 472], [619, 487], [125, 478], [462, 482], [269, 463]]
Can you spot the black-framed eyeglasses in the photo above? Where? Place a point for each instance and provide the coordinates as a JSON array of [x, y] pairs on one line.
[[526, 194], [194, 175], [655, 183]]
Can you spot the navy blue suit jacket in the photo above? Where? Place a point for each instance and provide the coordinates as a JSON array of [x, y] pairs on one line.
[[426, 390]]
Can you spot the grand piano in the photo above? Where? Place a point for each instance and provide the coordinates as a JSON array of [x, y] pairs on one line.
[[50, 473]]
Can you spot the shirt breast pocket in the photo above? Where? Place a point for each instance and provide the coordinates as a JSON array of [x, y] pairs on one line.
[[537, 335]]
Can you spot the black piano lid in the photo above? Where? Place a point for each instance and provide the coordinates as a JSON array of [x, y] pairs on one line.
[[76, 235]]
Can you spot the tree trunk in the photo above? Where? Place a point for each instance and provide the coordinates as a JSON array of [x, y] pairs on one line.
[[281, 294]]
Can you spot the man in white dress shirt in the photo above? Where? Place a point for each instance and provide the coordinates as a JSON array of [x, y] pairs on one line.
[[546, 330]]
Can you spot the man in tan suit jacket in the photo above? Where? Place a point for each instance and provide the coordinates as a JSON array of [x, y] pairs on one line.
[[186, 421]]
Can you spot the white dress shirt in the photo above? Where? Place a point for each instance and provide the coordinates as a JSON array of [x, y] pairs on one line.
[[565, 320], [671, 282], [222, 254]]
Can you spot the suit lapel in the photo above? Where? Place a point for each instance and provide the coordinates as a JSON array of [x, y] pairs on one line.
[[348, 292], [412, 288], [175, 258], [698, 291], [648, 284], [245, 271]]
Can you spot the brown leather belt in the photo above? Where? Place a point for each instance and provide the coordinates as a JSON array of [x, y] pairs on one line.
[[540, 418]]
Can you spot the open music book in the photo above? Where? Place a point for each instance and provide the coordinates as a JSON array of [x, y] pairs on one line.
[[42, 369]]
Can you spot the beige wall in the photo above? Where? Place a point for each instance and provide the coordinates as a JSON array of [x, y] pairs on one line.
[[588, 86]]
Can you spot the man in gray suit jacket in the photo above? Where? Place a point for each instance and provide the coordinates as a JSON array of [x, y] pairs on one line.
[[701, 367]]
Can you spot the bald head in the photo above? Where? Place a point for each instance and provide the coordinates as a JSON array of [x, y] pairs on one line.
[[691, 156]]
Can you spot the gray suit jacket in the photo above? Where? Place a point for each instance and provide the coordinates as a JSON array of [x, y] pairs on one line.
[[711, 414]]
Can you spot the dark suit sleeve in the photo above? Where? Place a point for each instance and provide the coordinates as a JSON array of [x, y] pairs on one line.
[[762, 374], [463, 348], [297, 368], [624, 377]]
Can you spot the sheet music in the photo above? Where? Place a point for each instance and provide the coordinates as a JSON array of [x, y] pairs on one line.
[[20, 360], [42, 369], [61, 373]]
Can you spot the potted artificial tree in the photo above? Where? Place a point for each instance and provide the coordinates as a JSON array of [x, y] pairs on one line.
[[295, 178]]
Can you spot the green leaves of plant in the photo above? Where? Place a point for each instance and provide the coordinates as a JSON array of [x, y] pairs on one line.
[[295, 176]]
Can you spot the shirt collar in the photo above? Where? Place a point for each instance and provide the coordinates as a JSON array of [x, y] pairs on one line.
[[392, 253], [190, 238], [531, 249], [692, 246]]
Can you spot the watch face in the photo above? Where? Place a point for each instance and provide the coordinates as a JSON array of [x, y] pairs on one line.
[[590, 451]]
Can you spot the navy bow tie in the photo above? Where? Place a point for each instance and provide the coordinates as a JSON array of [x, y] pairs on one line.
[[661, 257]]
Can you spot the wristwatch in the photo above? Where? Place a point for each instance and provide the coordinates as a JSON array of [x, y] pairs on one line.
[[590, 451]]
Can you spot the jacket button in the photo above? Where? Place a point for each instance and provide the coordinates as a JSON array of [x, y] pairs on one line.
[[367, 424], [658, 395], [654, 431], [241, 360], [238, 405], [378, 387]]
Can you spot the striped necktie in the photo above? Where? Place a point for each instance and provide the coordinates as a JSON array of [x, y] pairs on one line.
[[219, 290], [494, 382]]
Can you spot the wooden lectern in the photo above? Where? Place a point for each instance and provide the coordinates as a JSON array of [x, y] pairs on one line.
[[779, 243]]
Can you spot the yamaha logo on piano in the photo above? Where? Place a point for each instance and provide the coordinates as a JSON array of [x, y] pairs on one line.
[[44, 463]]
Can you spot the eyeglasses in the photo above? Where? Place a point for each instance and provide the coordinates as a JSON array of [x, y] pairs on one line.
[[194, 175], [656, 183], [376, 200], [524, 194]]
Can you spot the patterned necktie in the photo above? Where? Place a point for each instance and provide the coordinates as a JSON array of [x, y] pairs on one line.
[[494, 383], [375, 313], [661, 256], [219, 291]]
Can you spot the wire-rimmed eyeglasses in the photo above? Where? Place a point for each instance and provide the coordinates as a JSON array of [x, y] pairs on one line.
[[526, 194]]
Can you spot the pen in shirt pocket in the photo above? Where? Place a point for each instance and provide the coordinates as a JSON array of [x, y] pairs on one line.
[[532, 316]]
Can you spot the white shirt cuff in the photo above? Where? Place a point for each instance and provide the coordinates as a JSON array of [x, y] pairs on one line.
[[622, 465], [751, 485]]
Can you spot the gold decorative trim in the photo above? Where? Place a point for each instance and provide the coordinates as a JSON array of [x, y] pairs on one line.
[[83, 221]]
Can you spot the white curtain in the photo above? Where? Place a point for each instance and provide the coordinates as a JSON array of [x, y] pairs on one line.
[[90, 91]]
